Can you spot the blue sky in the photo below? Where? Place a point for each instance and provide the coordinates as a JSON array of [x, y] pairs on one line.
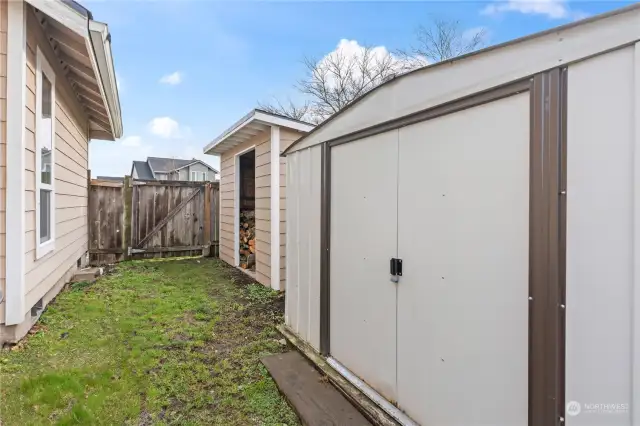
[[188, 69]]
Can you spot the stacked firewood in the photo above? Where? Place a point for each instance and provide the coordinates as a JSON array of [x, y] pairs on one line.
[[247, 238]]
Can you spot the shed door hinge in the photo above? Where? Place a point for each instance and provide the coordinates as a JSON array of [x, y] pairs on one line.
[[396, 267]]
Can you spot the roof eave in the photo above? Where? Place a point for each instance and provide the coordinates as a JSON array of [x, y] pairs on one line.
[[98, 45], [258, 117]]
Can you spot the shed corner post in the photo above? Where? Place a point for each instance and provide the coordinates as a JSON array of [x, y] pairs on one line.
[[635, 290], [127, 193], [206, 251], [275, 207], [325, 245]]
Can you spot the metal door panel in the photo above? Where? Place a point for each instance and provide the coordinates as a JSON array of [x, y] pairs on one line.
[[363, 239], [463, 236]]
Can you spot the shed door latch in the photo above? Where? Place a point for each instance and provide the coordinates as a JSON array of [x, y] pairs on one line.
[[396, 267]]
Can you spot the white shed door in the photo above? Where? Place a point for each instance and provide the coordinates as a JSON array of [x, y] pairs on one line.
[[463, 236], [364, 191]]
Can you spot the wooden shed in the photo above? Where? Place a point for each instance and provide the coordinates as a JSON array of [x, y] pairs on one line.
[[252, 193], [463, 242]]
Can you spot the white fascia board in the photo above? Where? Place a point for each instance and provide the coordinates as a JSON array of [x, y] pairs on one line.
[[283, 122], [239, 125], [262, 117], [99, 47], [15, 165], [275, 207]]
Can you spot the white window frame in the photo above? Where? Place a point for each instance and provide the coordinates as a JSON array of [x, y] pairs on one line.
[[42, 66], [195, 174]]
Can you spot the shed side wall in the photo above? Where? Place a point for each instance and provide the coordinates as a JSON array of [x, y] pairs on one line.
[[287, 137], [600, 223], [3, 147], [71, 163], [302, 309]]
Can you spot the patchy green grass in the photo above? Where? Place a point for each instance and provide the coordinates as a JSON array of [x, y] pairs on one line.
[[173, 342]]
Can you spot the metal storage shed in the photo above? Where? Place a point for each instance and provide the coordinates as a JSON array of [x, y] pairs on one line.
[[507, 182]]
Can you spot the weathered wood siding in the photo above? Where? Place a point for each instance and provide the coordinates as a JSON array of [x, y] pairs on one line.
[[3, 146], [263, 198], [70, 171]]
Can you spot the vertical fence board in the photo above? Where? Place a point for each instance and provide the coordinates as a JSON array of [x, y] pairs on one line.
[[152, 219]]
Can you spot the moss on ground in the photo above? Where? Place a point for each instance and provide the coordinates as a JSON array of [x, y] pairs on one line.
[[174, 342]]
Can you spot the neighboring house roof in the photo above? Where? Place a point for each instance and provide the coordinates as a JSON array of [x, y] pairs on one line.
[[111, 178], [250, 125], [166, 165], [83, 47], [148, 169], [478, 71], [144, 172]]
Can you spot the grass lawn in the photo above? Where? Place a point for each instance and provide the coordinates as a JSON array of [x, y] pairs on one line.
[[156, 342]]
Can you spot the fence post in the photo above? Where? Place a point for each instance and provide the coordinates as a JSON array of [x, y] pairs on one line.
[[207, 221], [127, 192]]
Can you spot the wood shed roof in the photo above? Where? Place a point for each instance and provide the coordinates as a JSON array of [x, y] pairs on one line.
[[257, 121]]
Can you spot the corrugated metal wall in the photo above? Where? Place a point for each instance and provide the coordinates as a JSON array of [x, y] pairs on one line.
[[302, 312]]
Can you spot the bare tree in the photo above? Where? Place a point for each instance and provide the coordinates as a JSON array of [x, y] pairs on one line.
[[289, 109], [440, 41], [336, 80]]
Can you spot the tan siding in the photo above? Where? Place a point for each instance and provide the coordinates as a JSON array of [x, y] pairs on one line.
[[227, 197], [263, 211], [3, 138], [70, 172]]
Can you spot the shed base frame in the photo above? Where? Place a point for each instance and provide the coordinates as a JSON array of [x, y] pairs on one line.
[[369, 402]]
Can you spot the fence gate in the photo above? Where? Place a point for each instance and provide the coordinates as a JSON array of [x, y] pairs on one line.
[[142, 218]]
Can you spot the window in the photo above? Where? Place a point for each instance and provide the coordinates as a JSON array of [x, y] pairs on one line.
[[45, 151], [198, 176]]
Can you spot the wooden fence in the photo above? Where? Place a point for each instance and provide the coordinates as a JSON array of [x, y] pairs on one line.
[[142, 218]]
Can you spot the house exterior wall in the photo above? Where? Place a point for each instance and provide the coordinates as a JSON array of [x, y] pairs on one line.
[[162, 176], [199, 167], [44, 276], [3, 150], [228, 224], [182, 174]]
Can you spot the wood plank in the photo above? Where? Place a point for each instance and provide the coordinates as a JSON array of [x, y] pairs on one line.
[[315, 400]]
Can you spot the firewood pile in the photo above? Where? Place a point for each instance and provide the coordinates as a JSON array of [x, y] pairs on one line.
[[247, 239]]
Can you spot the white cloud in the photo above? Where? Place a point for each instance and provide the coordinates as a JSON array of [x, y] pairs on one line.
[[554, 9], [168, 128], [172, 79], [131, 141]]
